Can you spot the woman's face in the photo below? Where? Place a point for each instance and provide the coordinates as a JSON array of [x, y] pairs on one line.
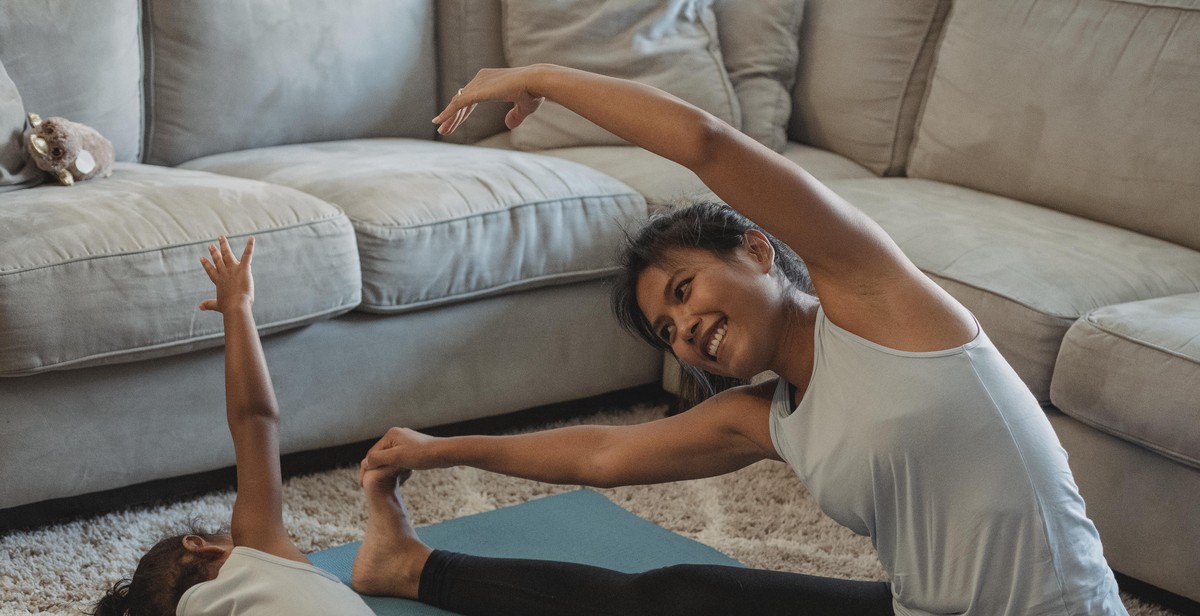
[[715, 314]]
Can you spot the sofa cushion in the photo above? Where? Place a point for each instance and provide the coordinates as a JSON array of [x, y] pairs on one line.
[[858, 90], [439, 223], [672, 46], [1088, 107], [468, 39], [231, 76], [81, 61], [760, 50], [16, 168], [663, 181], [1133, 370], [108, 270], [760, 54], [1026, 272]]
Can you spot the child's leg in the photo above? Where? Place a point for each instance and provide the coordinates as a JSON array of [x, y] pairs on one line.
[[472, 585], [391, 558]]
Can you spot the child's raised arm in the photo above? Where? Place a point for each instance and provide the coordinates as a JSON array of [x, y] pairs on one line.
[[250, 406]]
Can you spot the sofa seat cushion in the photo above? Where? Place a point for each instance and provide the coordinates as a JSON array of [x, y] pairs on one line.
[[109, 270], [1133, 371], [439, 223], [664, 181], [1026, 272]]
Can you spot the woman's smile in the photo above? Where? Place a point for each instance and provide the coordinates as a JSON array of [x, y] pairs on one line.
[[714, 337]]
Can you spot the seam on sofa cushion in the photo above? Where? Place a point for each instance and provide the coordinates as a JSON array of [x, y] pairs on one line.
[[148, 69], [264, 231], [1106, 429], [264, 329], [1160, 4], [894, 165], [1069, 318], [1128, 338], [403, 227], [523, 284]]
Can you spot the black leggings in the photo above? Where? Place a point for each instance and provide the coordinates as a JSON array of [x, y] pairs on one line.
[[481, 586]]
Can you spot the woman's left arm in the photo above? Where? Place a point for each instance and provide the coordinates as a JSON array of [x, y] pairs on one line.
[[865, 282]]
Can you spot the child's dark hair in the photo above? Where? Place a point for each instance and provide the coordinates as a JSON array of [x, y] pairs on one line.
[[163, 574], [706, 225]]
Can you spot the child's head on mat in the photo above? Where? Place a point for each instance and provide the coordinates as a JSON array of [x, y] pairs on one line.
[[165, 571]]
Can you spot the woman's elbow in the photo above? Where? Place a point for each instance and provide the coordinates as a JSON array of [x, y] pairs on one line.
[[709, 137]]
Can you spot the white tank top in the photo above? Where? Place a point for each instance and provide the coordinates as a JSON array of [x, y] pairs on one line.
[[252, 582], [948, 463]]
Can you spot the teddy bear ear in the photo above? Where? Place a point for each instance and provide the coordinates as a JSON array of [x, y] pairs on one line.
[[34, 120]]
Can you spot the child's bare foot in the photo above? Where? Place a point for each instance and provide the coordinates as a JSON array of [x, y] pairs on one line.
[[391, 558]]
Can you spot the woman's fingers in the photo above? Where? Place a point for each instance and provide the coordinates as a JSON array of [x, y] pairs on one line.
[[521, 110]]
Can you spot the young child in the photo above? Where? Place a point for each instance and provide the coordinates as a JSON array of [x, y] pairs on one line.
[[255, 568]]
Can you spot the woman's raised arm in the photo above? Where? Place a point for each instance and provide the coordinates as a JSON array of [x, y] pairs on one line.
[[865, 282]]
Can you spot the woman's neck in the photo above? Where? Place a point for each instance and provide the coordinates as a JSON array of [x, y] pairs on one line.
[[794, 352]]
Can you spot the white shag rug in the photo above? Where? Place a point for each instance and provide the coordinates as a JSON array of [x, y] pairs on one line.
[[761, 516]]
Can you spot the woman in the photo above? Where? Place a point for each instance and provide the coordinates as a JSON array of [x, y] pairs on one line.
[[892, 405]]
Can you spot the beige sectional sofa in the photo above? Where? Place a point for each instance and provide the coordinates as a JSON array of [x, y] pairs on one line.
[[1039, 159]]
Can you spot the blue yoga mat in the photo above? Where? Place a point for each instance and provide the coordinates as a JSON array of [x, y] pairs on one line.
[[581, 526]]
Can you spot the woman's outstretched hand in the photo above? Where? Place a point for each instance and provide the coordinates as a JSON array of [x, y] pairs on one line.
[[513, 85], [232, 277], [400, 451]]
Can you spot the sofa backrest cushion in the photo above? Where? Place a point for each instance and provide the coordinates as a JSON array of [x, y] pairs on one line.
[[669, 45], [863, 70], [81, 61], [469, 38], [757, 41], [227, 76], [16, 168], [760, 47], [1088, 107]]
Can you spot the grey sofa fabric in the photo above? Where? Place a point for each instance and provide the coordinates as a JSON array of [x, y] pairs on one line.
[[261, 74], [1143, 504], [16, 168], [858, 93], [337, 381], [469, 38], [438, 223], [760, 47], [81, 61], [673, 46], [108, 271], [1044, 106], [1026, 272], [1141, 355], [664, 182]]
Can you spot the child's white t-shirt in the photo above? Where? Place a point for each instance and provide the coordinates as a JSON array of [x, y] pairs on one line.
[[254, 582]]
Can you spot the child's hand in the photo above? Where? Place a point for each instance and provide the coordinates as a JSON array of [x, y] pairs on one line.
[[234, 282]]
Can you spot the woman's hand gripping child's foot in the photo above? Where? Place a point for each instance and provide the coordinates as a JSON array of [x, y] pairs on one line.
[[391, 558]]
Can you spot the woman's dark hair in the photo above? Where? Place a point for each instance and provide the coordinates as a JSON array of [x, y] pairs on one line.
[[162, 576], [706, 225]]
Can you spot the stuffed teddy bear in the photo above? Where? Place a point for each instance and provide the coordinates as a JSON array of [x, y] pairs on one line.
[[70, 151]]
